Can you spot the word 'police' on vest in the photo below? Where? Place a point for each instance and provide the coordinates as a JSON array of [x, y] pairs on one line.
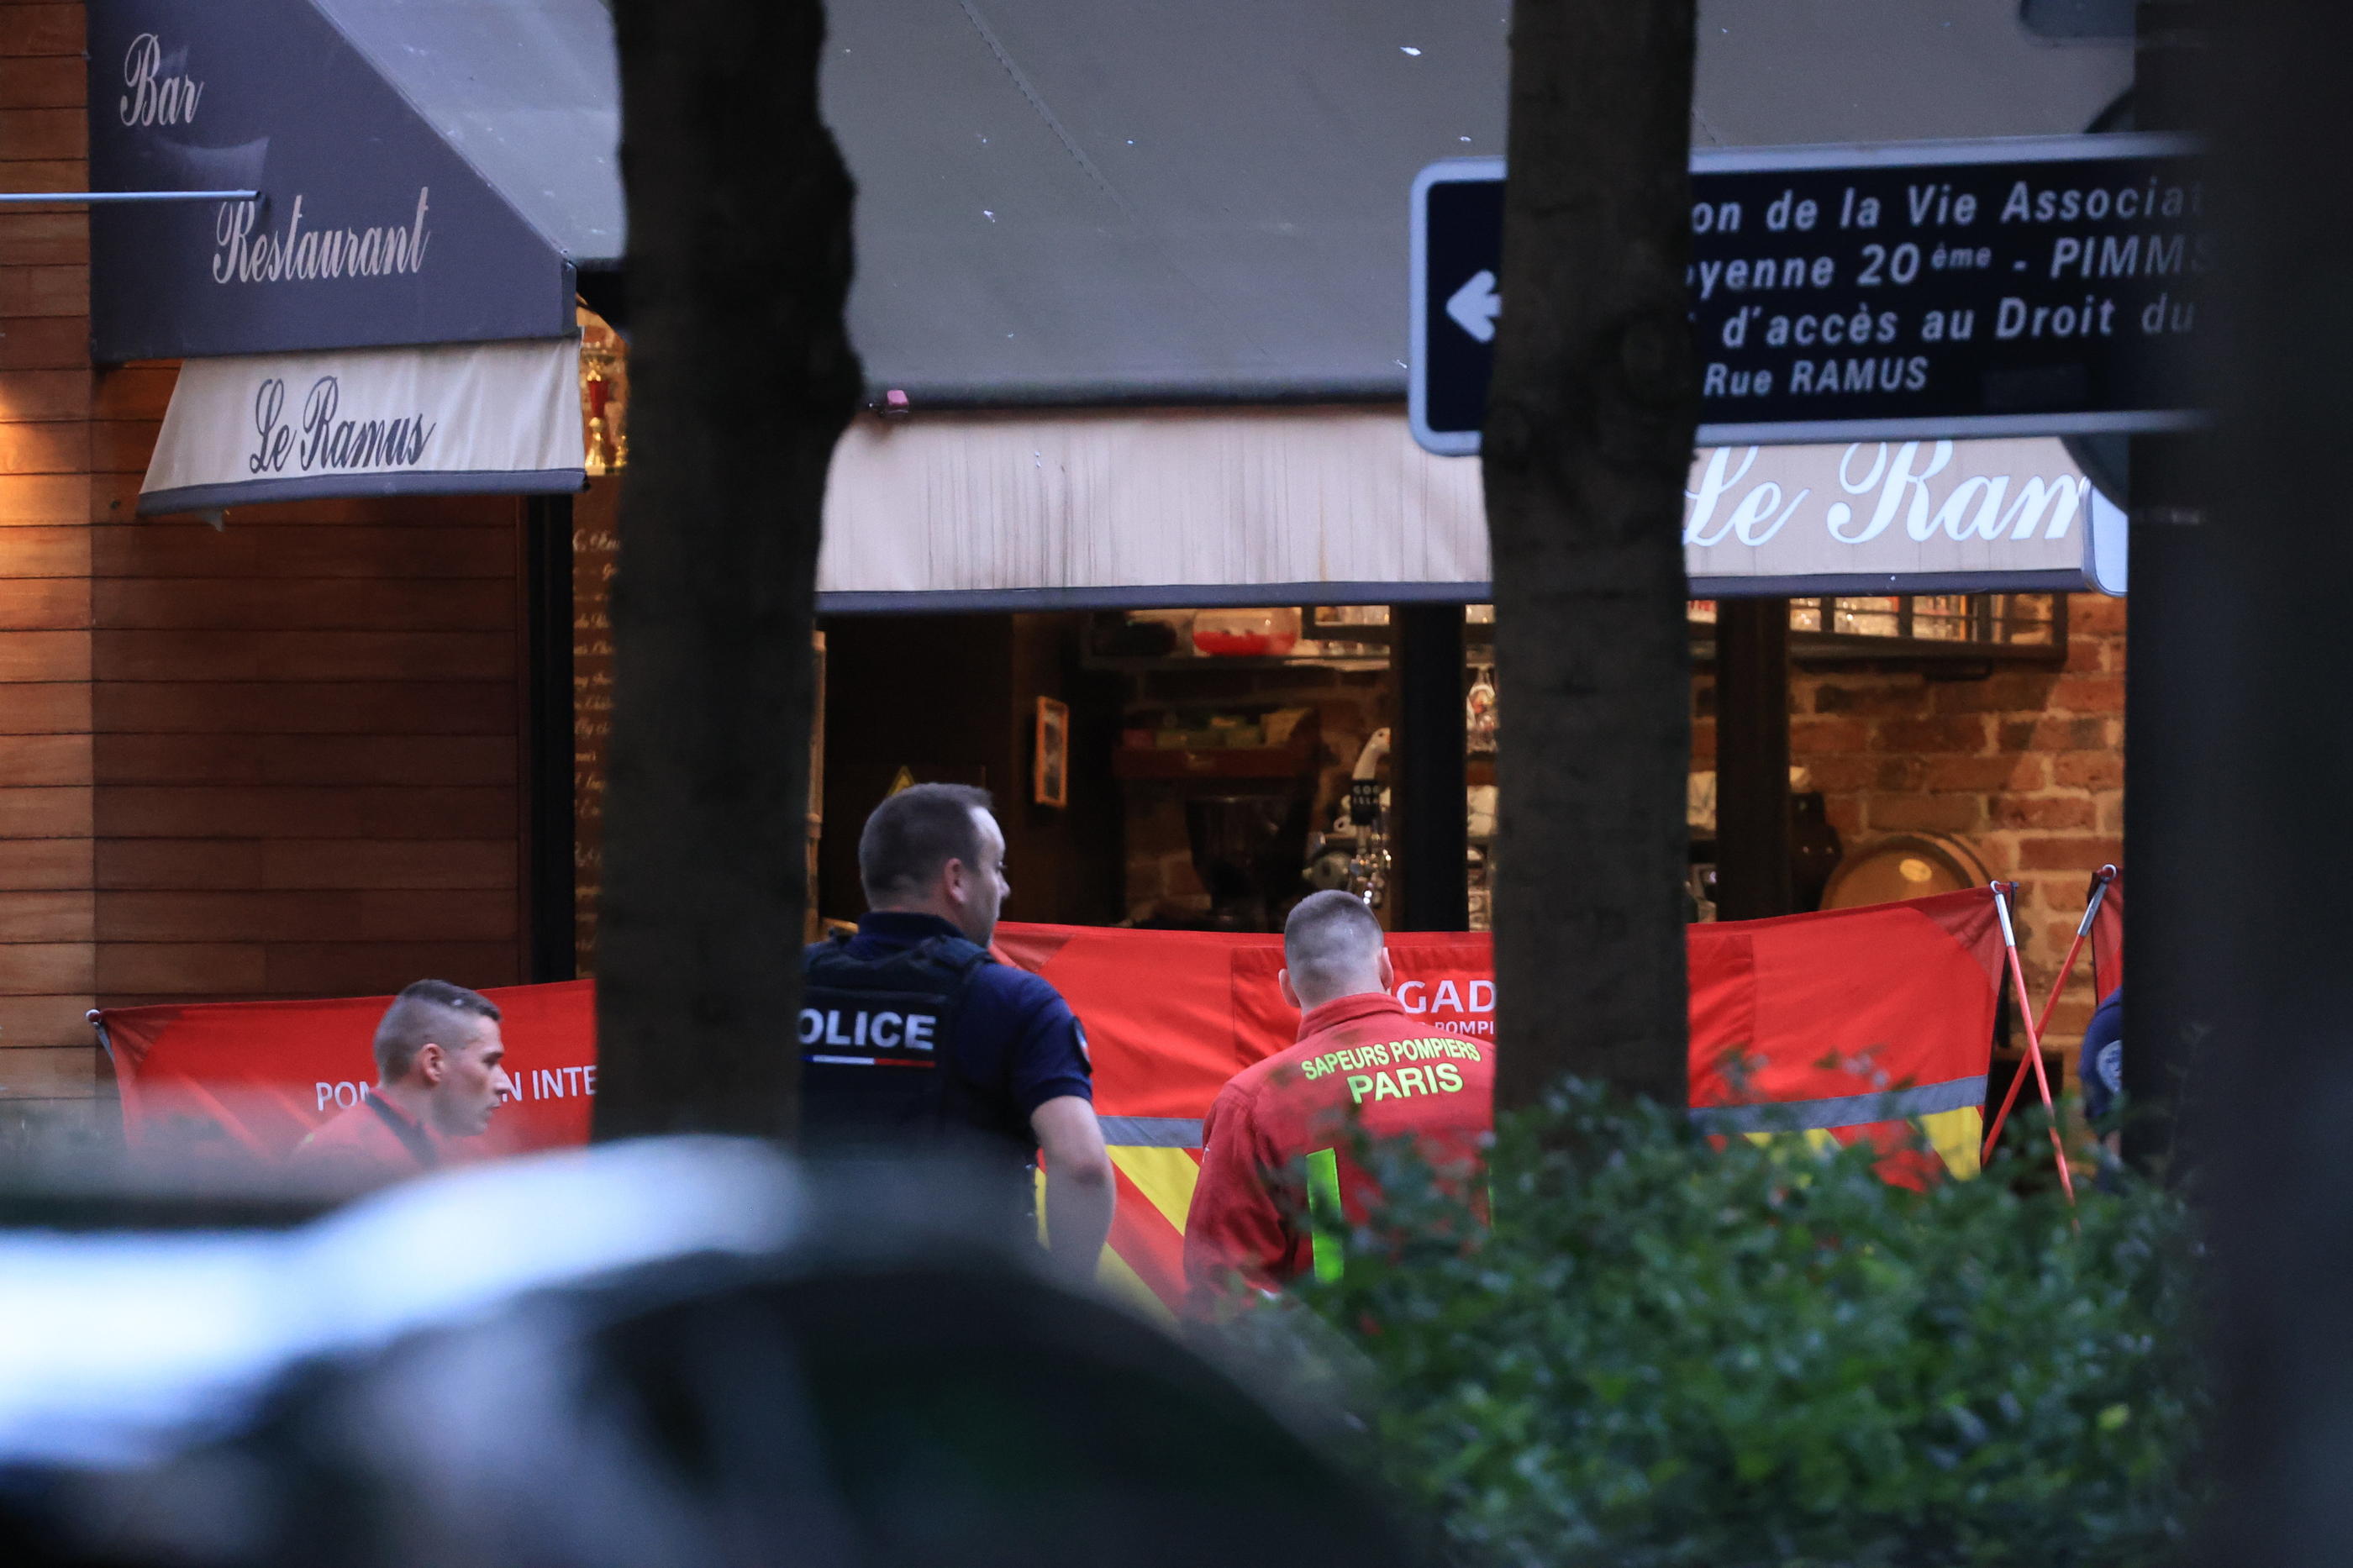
[[874, 1029]]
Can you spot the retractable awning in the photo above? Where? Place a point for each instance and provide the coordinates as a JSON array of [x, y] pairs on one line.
[[1058, 201], [1060, 509], [430, 171], [1063, 208], [448, 419]]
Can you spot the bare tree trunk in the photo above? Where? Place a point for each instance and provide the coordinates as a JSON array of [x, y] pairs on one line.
[[742, 378], [2256, 789], [1588, 446]]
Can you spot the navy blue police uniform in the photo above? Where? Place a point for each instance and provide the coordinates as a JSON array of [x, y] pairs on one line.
[[912, 1036], [2103, 1074]]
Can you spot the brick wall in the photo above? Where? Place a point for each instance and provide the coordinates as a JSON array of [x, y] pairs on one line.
[[47, 954], [2025, 766]]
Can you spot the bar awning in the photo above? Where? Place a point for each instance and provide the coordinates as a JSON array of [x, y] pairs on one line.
[[445, 420], [430, 171], [1058, 201], [1292, 506], [1062, 206]]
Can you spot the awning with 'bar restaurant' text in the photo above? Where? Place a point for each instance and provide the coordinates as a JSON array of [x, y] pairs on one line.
[[498, 418]]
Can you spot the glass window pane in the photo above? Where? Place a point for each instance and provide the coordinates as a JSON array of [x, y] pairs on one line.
[[1867, 618]]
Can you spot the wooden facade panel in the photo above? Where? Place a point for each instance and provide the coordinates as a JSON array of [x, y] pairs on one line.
[[43, 603], [43, 446], [35, 176], [54, 813], [45, 656], [304, 759], [29, 132], [285, 915], [40, 29], [46, 969], [122, 445], [158, 863], [135, 390], [42, 342], [356, 707], [213, 655], [487, 863], [181, 969], [43, 393], [55, 81], [344, 603], [58, 289], [48, 1072], [46, 863], [47, 1020], [253, 812], [43, 915], [59, 502], [43, 238], [180, 548], [27, 709], [376, 969], [30, 761], [33, 551], [320, 865]]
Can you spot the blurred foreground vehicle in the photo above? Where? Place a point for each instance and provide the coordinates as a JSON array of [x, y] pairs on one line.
[[683, 1352]]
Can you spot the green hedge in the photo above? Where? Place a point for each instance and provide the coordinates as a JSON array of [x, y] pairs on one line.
[[1672, 1352]]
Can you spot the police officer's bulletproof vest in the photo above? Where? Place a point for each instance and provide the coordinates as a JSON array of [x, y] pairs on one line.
[[878, 1066]]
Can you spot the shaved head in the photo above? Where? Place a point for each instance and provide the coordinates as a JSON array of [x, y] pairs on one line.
[[1332, 947]]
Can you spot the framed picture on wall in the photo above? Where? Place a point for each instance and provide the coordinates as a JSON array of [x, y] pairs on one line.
[[1049, 771]]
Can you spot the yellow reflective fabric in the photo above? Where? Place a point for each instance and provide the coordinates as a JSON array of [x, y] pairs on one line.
[[1167, 1176], [1327, 1224], [1955, 1135], [1127, 1286]]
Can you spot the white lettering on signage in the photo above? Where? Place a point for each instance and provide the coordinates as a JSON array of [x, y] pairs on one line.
[[558, 1083], [155, 97], [1469, 1005], [1978, 507], [883, 1030], [325, 444], [345, 1095], [240, 254]]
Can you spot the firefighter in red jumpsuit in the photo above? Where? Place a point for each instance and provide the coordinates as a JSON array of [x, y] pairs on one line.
[[1277, 1189]]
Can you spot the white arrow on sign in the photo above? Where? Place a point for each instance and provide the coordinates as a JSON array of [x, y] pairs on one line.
[[1474, 307]]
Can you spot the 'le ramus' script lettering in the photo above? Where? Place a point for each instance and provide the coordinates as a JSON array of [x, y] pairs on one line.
[[241, 254], [1978, 507], [158, 96], [324, 443]]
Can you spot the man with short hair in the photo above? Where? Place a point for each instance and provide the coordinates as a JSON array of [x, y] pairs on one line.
[[912, 1036], [441, 1074], [1277, 1191]]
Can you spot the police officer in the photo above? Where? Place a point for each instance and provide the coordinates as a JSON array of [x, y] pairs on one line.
[[912, 1035]]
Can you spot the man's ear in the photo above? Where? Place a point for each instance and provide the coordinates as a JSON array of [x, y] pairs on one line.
[[432, 1061], [1289, 997], [1388, 972]]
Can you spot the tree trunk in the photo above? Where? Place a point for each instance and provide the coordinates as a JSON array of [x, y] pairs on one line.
[[742, 378], [2256, 791], [1588, 446]]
